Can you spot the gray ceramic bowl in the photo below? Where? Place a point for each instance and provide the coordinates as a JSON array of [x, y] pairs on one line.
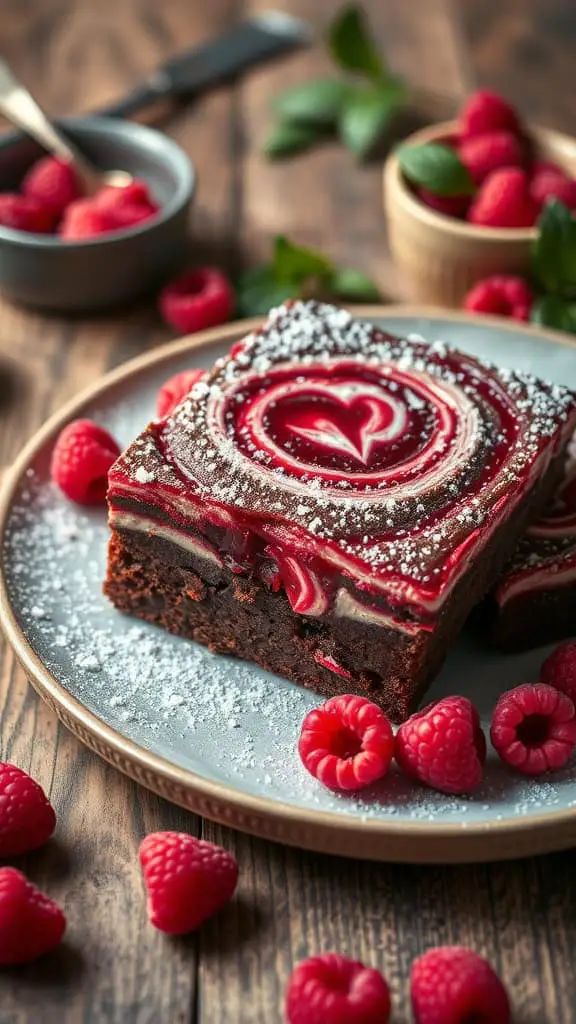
[[47, 273]]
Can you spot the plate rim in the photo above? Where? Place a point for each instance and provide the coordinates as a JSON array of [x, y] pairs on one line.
[[322, 831]]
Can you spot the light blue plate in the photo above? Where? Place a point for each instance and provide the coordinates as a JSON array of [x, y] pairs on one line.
[[219, 735]]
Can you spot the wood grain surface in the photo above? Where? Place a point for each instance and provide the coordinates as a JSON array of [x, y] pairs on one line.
[[114, 968]]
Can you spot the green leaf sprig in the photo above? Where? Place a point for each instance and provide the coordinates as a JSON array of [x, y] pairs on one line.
[[437, 168], [296, 272], [554, 268], [358, 109]]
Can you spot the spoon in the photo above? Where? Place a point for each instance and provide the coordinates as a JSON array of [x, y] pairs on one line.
[[20, 107]]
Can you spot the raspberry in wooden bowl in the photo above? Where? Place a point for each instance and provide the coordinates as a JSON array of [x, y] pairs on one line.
[[443, 244], [62, 251]]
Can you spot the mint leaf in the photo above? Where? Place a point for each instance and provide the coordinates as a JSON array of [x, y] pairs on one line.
[[554, 250], [317, 102], [366, 116], [352, 284], [258, 291], [554, 311], [288, 137], [351, 44], [437, 168], [293, 264]]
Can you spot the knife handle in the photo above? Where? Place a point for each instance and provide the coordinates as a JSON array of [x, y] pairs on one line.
[[242, 47]]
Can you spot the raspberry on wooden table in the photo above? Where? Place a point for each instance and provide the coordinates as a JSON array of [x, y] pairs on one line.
[[504, 295], [504, 201], [31, 924], [82, 456], [443, 746], [486, 111], [198, 299], [534, 728], [453, 985], [187, 880], [549, 184], [22, 213], [174, 390], [27, 818], [482, 154], [347, 743], [559, 669], [450, 206], [333, 989], [52, 182]]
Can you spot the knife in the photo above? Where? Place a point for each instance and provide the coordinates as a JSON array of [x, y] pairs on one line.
[[252, 42]]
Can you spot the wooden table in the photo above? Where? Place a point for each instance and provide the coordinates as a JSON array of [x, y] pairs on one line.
[[114, 967]]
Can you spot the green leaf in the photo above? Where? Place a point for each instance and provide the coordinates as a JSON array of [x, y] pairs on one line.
[[288, 137], [554, 311], [293, 264], [437, 168], [367, 115], [352, 284], [351, 44], [317, 102], [554, 250], [258, 291]]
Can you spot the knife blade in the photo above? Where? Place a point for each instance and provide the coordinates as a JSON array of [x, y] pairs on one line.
[[242, 47]]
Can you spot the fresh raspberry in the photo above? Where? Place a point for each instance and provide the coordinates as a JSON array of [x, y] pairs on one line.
[[82, 456], [443, 746], [548, 184], [127, 206], [187, 880], [27, 818], [500, 296], [450, 206], [52, 182], [534, 728], [174, 390], [82, 219], [31, 924], [485, 111], [504, 201], [559, 669], [453, 985], [346, 743], [198, 299], [538, 166], [22, 213], [332, 989], [482, 154]]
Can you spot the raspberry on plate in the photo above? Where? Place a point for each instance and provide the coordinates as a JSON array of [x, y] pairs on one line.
[[550, 184], [174, 390], [187, 880], [52, 182], [504, 201], [82, 456], [443, 746], [333, 989], [504, 295], [347, 743], [534, 728], [27, 818], [31, 924], [486, 111], [450, 206], [559, 669], [23, 213], [453, 985], [198, 299], [482, 154]]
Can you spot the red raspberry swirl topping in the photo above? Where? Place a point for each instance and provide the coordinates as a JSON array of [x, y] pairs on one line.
[[331, 451]]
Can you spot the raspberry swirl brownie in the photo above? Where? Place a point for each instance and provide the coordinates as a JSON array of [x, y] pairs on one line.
[[330, 501], [534, 601]]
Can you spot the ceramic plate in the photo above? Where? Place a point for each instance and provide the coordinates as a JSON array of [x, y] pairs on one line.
[[218, 735]]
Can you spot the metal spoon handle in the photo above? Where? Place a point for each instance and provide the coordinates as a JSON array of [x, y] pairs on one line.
[[17, 104]]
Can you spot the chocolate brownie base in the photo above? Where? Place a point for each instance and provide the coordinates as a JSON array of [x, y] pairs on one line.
[[157, 580], [530, 620]]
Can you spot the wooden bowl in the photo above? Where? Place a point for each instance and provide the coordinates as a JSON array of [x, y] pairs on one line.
[[439, 258]]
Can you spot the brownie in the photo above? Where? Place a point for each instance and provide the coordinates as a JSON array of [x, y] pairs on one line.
[[330, 501], [534, 600]]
